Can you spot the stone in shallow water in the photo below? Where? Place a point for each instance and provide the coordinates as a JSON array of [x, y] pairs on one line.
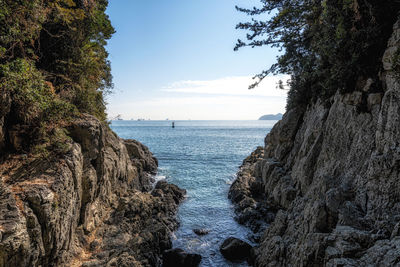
[[179, 258], [234, 249], [201, 231]]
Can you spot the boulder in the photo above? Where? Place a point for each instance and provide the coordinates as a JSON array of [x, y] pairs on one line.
[[202, 231], [235, 250], [141, 153], [179, 258], [171, 191]]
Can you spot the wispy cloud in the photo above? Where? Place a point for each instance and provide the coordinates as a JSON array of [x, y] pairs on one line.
[[225, 98], [237, 85]]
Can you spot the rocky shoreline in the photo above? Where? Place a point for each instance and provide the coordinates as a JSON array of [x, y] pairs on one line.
[[93, 206], [329, 174], [246, 192]]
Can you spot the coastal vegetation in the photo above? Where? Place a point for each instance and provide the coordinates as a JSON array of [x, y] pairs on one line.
[[53, 64], [327, 45]]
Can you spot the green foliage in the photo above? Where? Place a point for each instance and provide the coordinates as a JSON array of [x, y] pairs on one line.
[[54, 141], [53, 63], [328, 45], [33, 101], [65, 40]]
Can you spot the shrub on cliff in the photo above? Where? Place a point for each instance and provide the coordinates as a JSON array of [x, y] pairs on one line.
[[33, 100], [53, 62], [328, 45]]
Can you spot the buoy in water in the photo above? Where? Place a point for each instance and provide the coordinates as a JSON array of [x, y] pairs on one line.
[[173, 124]]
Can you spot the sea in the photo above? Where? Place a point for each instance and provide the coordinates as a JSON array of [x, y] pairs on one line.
[[202, 157]]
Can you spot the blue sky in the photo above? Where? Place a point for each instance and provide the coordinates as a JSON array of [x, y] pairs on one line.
[[174, 59]]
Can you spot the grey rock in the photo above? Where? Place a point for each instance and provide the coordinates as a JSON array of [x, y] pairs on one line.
[[235, 250], [138, 151], [179, 258], [201, 231], [330, 176]]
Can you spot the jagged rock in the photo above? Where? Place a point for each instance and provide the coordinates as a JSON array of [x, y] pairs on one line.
[[235, 250], [330, 174], [201, 231], [164, 189], [374, 99], [87, 208], [247, 192], [138, 151], [179, 258], [146, 163]]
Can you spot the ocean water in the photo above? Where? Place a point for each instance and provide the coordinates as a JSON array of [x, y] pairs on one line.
[[202, 157]]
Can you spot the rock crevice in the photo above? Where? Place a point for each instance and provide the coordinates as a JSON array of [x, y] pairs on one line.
[[329, 175], [90, 207]]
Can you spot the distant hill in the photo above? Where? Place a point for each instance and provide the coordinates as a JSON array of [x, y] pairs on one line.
[[271, 117]]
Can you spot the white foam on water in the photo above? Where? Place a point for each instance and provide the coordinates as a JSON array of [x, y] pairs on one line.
[[158, 178]]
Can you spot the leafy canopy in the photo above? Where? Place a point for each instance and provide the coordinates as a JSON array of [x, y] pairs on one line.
[[53, 61], [328, 45]]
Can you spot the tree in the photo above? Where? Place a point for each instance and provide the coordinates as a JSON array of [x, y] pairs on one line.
[[53, 61], [328, 45], [64, 40]]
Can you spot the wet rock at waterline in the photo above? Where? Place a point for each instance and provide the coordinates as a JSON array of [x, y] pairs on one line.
[[141, 154], [246, 192], [174, 194], [235, 250], [179, 258], [201, 231]]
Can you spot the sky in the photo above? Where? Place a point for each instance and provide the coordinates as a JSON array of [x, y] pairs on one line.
[[174, 59]]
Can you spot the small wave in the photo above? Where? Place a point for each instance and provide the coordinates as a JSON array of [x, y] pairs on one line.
[[194, 243], [164, 168], [159, 178]]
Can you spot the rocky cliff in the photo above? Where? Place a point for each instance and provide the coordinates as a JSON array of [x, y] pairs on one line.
[[329, 174], [92, 206]]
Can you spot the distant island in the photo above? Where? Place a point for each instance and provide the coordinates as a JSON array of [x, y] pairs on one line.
[[271, 117]]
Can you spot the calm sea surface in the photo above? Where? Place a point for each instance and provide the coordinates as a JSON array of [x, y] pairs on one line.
[[202, 157]]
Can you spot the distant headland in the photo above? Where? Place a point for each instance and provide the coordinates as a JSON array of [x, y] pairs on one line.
[[271, 117]]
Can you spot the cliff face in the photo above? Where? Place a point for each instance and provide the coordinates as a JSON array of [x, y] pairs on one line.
[[90, 207], [331, 175]]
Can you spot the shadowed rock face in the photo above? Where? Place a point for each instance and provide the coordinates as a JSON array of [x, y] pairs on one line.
[[235, 250], [179, 258], [89, 208], [331, 175]]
